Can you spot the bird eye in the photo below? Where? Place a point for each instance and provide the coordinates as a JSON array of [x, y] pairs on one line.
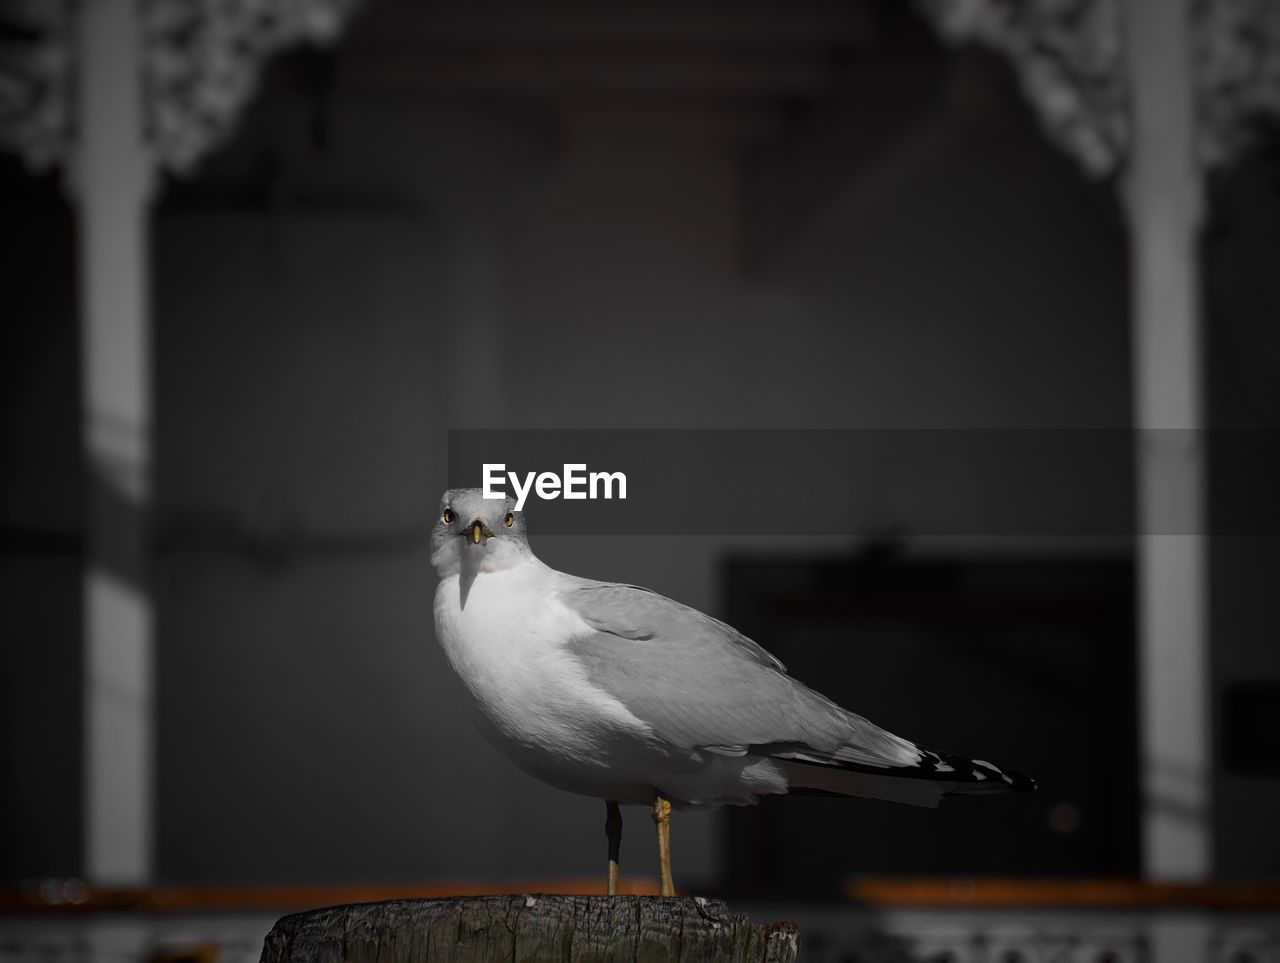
[[446, 516], [510, 519]]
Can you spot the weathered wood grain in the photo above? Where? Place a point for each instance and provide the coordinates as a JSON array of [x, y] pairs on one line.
[[512, 929]]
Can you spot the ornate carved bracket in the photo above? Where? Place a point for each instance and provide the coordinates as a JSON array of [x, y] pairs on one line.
[[203, 59], [201, 66], [35, 72], [1069, 55]]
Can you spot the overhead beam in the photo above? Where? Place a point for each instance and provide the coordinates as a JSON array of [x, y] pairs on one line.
[[519, 24], [829, 169], [592, 72]]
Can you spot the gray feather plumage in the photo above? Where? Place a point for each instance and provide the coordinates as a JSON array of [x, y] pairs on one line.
[[699, 684]]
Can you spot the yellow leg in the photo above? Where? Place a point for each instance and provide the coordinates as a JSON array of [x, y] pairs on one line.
[[662, 819], [613, 830]]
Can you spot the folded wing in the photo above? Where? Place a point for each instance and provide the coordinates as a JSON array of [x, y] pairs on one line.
[[700, 684]]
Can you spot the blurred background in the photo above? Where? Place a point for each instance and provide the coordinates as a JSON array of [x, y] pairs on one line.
[[260, 256]]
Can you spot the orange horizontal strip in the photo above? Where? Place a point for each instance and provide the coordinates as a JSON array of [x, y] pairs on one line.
[[997, 892], [72, 896]]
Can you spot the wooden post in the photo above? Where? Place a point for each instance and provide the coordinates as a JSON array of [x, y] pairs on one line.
[[481, 929], [110, 177], [1164, 193]]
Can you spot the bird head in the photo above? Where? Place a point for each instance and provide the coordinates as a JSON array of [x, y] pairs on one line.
[[478, 534]]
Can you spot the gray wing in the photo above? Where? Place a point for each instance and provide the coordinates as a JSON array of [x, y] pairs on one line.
[[702, 685]]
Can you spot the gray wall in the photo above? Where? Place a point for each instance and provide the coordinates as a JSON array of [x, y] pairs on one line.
[[40, 546], [312, 353], [1242, 262]]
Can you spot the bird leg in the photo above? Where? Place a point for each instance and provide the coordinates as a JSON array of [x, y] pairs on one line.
[[613, 830], [662, 819]]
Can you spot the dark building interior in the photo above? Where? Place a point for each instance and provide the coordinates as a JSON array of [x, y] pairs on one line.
[[429, 218]]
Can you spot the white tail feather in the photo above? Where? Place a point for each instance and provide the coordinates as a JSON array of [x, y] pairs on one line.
[[846, 782]]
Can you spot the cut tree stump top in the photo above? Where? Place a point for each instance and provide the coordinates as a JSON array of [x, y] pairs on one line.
[[480, 929]]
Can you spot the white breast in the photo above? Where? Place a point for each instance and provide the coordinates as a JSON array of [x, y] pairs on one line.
[[508, 646]]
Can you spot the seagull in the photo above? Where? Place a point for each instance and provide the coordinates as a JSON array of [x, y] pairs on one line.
[[613, 691]]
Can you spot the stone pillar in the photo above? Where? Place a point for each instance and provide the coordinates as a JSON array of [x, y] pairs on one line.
[[1164, 191], [110, 172]]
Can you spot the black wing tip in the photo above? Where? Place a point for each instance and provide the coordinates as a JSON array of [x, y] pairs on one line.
[[968, 776], [974, 775]]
